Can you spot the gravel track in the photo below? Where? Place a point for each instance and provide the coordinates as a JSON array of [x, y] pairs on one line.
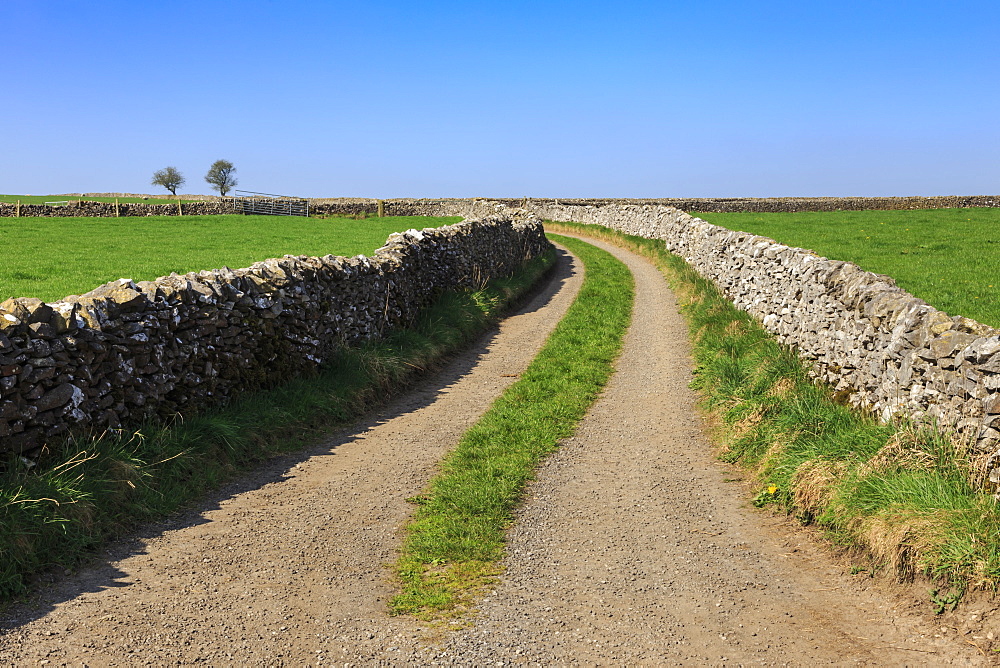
[[634, 546], [286, 566]]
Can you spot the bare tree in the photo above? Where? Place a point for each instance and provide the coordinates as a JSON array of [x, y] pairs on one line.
[[221, 175], [169, 178]]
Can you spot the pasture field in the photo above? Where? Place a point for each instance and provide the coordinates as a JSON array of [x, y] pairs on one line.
[[42, 199], [50, 258], [950, 258]]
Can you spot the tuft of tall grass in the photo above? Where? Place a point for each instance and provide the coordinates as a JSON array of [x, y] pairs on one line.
[[899, 495], [92, 488], [455, 540]]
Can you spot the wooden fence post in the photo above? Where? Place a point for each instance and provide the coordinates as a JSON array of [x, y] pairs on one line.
[[180, 211], [381, 208], [18, 213], [117, 212]]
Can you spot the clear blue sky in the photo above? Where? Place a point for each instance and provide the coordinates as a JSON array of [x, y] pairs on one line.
[[453, 99]]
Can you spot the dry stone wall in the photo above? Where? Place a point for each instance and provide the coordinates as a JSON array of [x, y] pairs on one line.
[[783, 204], [134, 350], [409, 207], [887, 350], [405, 207], [447, 207], [109, 210], [328, 207]]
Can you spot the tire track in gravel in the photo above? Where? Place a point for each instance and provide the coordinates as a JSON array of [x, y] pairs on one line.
[[632, 549], [288, 565]]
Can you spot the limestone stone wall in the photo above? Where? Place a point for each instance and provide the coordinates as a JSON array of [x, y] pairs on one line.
[[321, 207], [783, 204], [445, 207], [406, 207], [107, 209], [127, 351], [889, 351]]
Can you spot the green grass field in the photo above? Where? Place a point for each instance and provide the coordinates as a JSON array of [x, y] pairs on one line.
[[950, 258], [50, 258]]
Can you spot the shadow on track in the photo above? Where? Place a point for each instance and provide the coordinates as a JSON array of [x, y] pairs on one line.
[[52, 588]]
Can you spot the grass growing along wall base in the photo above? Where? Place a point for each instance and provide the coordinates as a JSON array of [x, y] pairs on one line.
[[91, 489], [899, 496]]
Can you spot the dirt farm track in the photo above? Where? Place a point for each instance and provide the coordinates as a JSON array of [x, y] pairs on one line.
[[634, 547]]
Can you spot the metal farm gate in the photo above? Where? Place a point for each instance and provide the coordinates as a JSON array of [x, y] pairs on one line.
[[267, 204]]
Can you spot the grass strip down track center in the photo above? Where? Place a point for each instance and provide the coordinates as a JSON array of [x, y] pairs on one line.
[[455, 541]]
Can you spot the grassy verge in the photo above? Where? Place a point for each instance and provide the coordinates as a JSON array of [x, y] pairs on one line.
[[453, 544], [91, 489], [948, 257], [61, 256], [899, 497]]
